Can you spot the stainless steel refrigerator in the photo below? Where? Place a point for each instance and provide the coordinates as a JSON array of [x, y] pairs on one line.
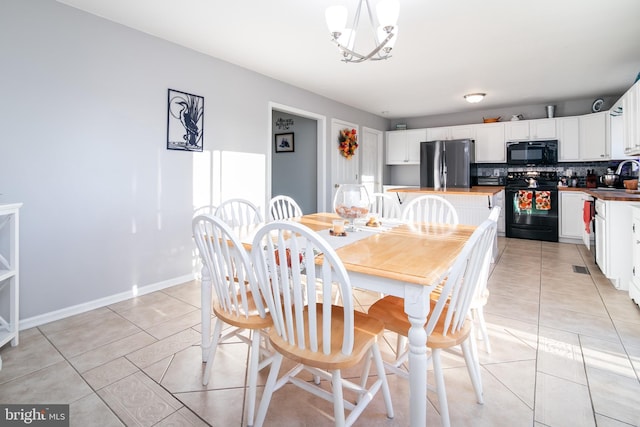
[[446, 163]]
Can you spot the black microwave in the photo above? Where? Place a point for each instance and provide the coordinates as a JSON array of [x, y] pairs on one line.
[[532, 153]]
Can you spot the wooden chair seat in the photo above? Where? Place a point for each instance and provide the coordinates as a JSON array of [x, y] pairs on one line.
[[249, 320], [366, 332], [390, 310]]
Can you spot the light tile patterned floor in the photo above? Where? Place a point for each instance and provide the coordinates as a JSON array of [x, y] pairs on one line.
[[566, 352]]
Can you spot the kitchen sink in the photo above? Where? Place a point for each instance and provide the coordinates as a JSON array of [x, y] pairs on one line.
[[606, 189]]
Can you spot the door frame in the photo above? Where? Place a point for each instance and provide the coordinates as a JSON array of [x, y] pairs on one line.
[[321, 153], [379, 165]]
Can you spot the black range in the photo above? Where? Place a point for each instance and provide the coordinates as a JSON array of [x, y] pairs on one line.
[[531, 211]]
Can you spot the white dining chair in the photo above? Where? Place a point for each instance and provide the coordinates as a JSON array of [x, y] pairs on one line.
[[205, 210], [430, 209], [481, 296], [283, 207], [449, 323], [385, 206], [319, 337], [239, 212], [237, 303]]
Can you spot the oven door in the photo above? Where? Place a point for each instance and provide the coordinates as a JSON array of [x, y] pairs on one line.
[[532, 213]]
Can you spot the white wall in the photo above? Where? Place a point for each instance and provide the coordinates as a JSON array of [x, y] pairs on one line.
[[83, 145]]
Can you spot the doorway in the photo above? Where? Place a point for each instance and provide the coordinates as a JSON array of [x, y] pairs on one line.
[[284, 171]]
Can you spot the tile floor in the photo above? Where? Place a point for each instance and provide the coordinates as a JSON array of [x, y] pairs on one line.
[[566, 352]]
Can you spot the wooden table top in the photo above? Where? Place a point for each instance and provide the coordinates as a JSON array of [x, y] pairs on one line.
[[413, 253], [416, 253]]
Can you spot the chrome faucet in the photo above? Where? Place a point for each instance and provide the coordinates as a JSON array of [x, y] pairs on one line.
[[625, 162]]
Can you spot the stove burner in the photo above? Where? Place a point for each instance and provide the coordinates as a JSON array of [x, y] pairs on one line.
[[532, 179]]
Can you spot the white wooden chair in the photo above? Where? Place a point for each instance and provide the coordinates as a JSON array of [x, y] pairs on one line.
[[283, 207], [430, 209], [449, 323], [482, 292], [239, 212], [237, 297], [320, 337], [205, 210], [385, 206]]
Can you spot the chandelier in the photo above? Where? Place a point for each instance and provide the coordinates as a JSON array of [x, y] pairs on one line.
[[384, 30]]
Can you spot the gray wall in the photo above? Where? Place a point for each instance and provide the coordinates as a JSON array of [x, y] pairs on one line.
[[106, 206], [295, 174]]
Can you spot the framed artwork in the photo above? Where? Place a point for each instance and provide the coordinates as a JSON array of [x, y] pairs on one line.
[[185, 121], [284, 142]]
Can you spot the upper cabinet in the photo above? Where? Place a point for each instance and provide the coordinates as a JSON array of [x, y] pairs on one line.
[[631, 120], [583, 138], [530, 129], [450, 132], [490, 143], [568, 138], [403, 146], [594, 142]]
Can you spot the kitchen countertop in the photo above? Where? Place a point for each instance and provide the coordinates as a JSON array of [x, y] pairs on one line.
[[617, 194], [478, 190]]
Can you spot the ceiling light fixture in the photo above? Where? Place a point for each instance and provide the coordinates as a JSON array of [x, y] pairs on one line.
[[384, 31], [473, 98]]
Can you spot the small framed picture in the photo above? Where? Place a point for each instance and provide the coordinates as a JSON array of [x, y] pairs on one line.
[[284, 142]]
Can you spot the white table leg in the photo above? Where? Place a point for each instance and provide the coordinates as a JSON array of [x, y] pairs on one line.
[[416, 305], [205, 308]]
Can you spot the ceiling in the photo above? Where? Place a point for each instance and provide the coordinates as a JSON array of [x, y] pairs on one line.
[[519, 53]]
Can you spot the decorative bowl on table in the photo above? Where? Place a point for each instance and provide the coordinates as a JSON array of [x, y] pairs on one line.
[[351, 202]]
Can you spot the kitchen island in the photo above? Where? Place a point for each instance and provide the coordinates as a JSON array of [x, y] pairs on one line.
[[472, 204]]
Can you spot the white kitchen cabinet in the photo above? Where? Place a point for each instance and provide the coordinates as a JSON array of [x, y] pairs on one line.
[[530, 129], [613, 241], [403, 146], [9, 274], [568, 139], [615, 124], [631, 120], [634, 286], [571, 223], [490, 143], [447, 133], [594, 143]]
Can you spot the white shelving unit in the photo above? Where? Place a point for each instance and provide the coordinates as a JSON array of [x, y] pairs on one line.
[[9, 274]]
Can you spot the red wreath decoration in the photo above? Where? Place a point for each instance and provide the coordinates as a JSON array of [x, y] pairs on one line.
[[348, 142]]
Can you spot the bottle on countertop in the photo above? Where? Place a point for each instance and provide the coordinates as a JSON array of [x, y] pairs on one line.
[[592, 180]]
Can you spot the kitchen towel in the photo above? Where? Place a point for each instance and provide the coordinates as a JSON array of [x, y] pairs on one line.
[[524, 199], [543, 200], [586, 216]]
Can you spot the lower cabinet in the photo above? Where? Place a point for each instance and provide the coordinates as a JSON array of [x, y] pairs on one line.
[[571, 207], [614, 229], [634, 286]]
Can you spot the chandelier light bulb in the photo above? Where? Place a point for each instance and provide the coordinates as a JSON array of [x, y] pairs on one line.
[[388, 12], [336, 17]]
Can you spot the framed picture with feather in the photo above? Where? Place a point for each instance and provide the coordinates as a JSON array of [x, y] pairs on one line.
[[185, 121]]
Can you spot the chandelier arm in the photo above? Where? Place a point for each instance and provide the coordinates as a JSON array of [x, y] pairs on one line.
[[362, 58]]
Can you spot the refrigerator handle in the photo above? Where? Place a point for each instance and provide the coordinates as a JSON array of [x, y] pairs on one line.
[[444, 168]]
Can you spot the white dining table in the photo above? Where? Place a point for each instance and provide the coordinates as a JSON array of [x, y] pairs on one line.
[[404, 260]]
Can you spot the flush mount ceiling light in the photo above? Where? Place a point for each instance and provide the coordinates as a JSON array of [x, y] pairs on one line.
[[384, 30], [474, 97]]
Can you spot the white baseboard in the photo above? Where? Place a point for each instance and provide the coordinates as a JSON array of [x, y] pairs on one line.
[[41, 319]]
